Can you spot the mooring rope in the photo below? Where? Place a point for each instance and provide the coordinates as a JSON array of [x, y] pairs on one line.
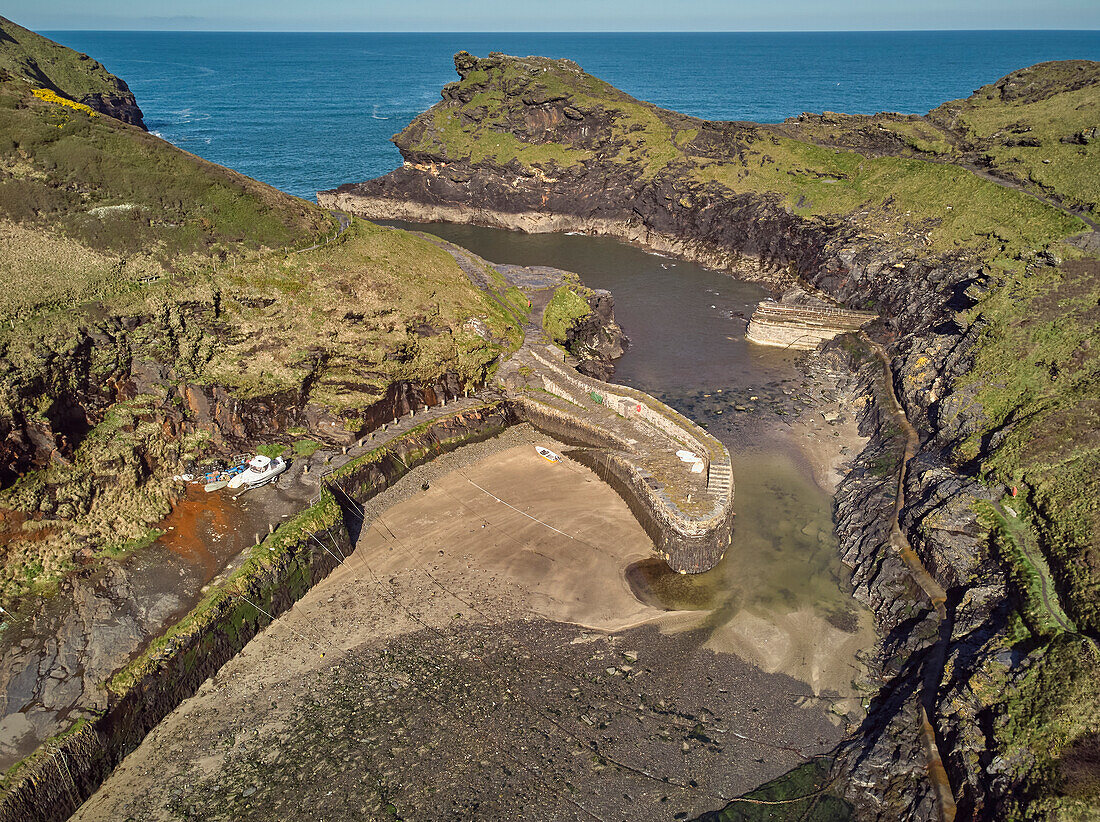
[[502, 502]]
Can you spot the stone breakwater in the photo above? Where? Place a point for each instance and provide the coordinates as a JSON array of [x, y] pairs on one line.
[[688, 515], [801, 321]]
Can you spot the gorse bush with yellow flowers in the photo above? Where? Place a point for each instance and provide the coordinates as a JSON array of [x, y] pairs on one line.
[[53, 97]]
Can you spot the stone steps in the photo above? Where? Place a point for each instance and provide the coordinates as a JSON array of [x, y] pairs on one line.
[[719, 479]]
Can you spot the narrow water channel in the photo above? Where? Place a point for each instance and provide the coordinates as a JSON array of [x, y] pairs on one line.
[[780, 598]]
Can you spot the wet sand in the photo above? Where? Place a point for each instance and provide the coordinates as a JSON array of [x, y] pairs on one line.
[[485, 659], [550, 537]]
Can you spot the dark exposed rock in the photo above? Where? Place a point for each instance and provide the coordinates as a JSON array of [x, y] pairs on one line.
[[1083, 137], [122, 106], [750, 234], [597, 338]]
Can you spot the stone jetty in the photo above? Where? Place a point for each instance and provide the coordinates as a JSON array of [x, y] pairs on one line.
[[801, 320], [675, 476]]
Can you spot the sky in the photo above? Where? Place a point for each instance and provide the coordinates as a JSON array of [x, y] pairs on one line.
[[552, 15]]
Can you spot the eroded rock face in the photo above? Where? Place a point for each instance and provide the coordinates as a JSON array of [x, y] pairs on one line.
[[748, 234], [60, 663], [597, 338], [121, 105]]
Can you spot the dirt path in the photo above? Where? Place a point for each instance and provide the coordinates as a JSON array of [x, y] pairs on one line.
[[1024, 539], [1004, 182], [343, 223]]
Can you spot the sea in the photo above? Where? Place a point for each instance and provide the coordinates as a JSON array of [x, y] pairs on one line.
[[307, 112]]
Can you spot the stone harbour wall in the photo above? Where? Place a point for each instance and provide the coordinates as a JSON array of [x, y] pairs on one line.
[[52, 783], [688, 544]]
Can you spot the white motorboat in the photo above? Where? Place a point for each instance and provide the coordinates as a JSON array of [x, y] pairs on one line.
[[260, 471], [547, 454]]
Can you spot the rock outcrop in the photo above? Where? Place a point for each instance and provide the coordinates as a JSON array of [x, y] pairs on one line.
[[31, 56], [801, 321], [597, 339], [121, 104]]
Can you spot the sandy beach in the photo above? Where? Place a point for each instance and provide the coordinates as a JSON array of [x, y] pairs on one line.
[[480, 655]]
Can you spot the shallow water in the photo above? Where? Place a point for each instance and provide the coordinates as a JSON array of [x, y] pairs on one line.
[[687, 347], [785, 555], [686, 324]]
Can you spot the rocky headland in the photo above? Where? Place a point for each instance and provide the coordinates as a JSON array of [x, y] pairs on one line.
[[969, 521], [28, 56]]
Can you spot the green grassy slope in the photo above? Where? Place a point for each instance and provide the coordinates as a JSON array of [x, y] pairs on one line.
[[119, 205], [120, 251], [1036, 379], [1040, 126], [32, 57]]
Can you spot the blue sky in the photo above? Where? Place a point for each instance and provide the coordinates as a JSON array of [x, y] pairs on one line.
[[554, 15]]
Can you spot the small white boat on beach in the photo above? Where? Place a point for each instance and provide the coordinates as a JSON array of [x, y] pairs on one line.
[[260, 471], [547, 454]]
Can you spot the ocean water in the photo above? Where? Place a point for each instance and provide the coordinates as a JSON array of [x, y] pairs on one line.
[[305, 112]]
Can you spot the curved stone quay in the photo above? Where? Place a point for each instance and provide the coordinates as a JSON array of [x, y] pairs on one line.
[[643, 448], [634, 443]]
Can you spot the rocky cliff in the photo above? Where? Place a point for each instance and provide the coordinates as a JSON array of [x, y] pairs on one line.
[[31, 57], [969, 522]]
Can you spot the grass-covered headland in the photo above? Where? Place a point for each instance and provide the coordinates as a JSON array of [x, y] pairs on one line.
[[140, 279]]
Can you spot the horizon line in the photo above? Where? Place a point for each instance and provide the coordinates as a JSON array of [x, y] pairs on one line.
[[565, 31]]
